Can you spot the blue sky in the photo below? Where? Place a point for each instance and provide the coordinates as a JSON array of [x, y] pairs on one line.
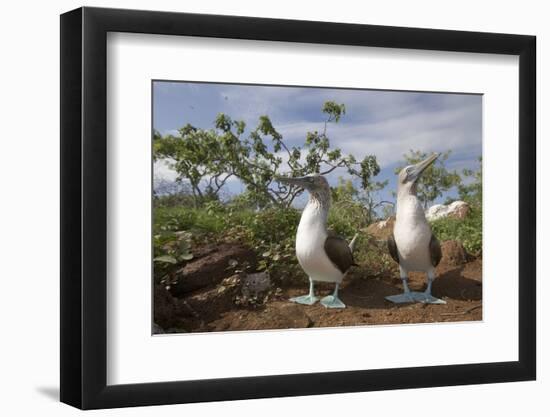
[[383, 123]]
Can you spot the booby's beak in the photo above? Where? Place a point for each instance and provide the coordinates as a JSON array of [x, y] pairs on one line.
[[296, 181], [421, 167]]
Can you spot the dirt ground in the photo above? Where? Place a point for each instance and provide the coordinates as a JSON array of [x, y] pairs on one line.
[[222, 303]]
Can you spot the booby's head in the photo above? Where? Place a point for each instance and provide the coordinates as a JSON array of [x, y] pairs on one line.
[[315, 184], [408, 176]]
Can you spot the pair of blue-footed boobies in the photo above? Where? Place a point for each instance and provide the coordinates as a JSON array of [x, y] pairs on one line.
[[326, 257]]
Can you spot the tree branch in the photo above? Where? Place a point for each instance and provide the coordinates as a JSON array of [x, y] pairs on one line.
[[333, 167]]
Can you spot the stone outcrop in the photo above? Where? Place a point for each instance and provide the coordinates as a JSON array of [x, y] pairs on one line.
[[457, 209]]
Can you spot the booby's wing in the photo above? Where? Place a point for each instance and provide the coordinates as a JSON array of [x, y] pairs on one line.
[[338, 251], [435, 251], [392, 248]]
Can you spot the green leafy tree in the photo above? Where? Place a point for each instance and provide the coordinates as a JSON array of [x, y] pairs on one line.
[[370, 198], [435, 180], [208, 158], [473, 191], [344, 191], [345, 196], [198, 156]]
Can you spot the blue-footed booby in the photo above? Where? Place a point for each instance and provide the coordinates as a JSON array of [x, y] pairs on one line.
[[322, 255], [413, 245]]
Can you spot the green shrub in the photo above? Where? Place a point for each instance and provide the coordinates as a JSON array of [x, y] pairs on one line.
[[347, 218], [468, 231], [271, 234], [170, 250], [176, 230], [272, 225], [195, 220], [174, 200]]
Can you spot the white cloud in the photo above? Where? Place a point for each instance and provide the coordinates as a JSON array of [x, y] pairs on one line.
[[172, 132], [162, 171], [389, 138]]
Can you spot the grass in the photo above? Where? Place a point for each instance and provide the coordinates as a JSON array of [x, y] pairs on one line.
[[195, 220]]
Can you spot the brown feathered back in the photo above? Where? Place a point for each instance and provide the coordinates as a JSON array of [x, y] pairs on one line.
[[338, 251], [392, 248]]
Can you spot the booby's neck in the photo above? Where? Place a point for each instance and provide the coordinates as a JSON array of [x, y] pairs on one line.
[[315, 213], [409, 207]]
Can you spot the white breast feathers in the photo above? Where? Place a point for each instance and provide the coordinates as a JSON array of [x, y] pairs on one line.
[[412, 235], [310, 241]]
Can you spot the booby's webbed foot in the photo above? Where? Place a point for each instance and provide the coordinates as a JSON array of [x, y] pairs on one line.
[[405, 297], [332, 301], [305, 299], [427, 298]]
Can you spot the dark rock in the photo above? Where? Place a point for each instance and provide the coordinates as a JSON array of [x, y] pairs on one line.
[[255, 284], [166, 308], [210, 267], [454, 253], [215, 300]]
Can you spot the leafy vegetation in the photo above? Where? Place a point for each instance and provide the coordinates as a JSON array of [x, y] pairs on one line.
[[472, 191], [189, 213], [269, 232], [468, 231], [207, 159]]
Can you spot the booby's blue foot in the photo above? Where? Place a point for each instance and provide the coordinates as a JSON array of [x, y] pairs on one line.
[[332, 301], [305, 299], [309, 299], [427, 298], [406, 297]]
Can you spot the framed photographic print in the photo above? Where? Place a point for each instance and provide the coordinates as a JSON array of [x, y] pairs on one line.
[[256, 208]]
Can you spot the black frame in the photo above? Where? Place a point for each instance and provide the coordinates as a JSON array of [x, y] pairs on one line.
[[84, 207]]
